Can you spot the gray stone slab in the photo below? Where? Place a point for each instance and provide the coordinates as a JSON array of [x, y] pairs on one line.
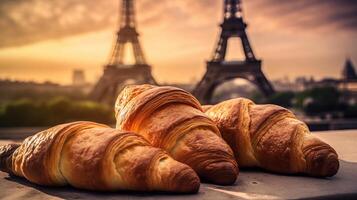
[[251, 184]]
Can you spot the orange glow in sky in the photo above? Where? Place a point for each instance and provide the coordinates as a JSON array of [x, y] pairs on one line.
[[178, 38]]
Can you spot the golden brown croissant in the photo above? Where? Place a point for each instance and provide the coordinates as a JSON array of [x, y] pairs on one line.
[[271, 137], [172, 119], [95, 157]]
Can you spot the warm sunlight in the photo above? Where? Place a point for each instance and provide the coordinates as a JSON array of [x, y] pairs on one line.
[[178, 40]]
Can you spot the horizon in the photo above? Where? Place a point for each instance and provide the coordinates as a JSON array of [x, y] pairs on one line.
[[305, 42]]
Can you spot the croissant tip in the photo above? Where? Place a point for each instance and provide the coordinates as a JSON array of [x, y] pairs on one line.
[[6, 152], [193, 187], [186, 181], [332, 165], [222, 173], [324, 165]]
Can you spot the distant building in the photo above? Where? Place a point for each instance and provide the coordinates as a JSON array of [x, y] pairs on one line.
[[326, 82], [348, 72], [78, 78], [303, 82], [299, 84], [348, 83], [283, 84]]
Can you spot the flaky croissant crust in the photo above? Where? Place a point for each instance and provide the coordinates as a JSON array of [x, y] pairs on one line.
[[135, 103], [271, 137], [172, 119], [93, 156]]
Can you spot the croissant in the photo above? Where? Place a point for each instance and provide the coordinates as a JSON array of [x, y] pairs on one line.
[[95, 157], [172, 119], [271, 137]]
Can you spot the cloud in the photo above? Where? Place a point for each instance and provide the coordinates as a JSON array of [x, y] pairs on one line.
[[28, 21], [309, 14]]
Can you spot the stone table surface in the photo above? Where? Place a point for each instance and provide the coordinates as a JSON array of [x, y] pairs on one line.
[[252, 184]]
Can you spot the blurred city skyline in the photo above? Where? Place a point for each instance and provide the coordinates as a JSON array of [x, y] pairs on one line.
[[46, 40]]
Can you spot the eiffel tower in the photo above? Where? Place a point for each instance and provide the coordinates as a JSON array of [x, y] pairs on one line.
[[117, 74], [219, 70]]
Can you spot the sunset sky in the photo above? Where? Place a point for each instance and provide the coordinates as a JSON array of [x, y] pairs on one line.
[[44, 40]]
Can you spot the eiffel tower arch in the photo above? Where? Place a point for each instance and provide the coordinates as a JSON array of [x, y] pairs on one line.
[[219, 70], [116, 73]]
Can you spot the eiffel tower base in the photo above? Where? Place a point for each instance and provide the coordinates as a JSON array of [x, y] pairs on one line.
[[115, 78], [220, 72]]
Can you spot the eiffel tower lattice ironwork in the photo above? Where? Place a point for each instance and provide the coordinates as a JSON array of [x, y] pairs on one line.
[[117, 74], [219, 70]]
